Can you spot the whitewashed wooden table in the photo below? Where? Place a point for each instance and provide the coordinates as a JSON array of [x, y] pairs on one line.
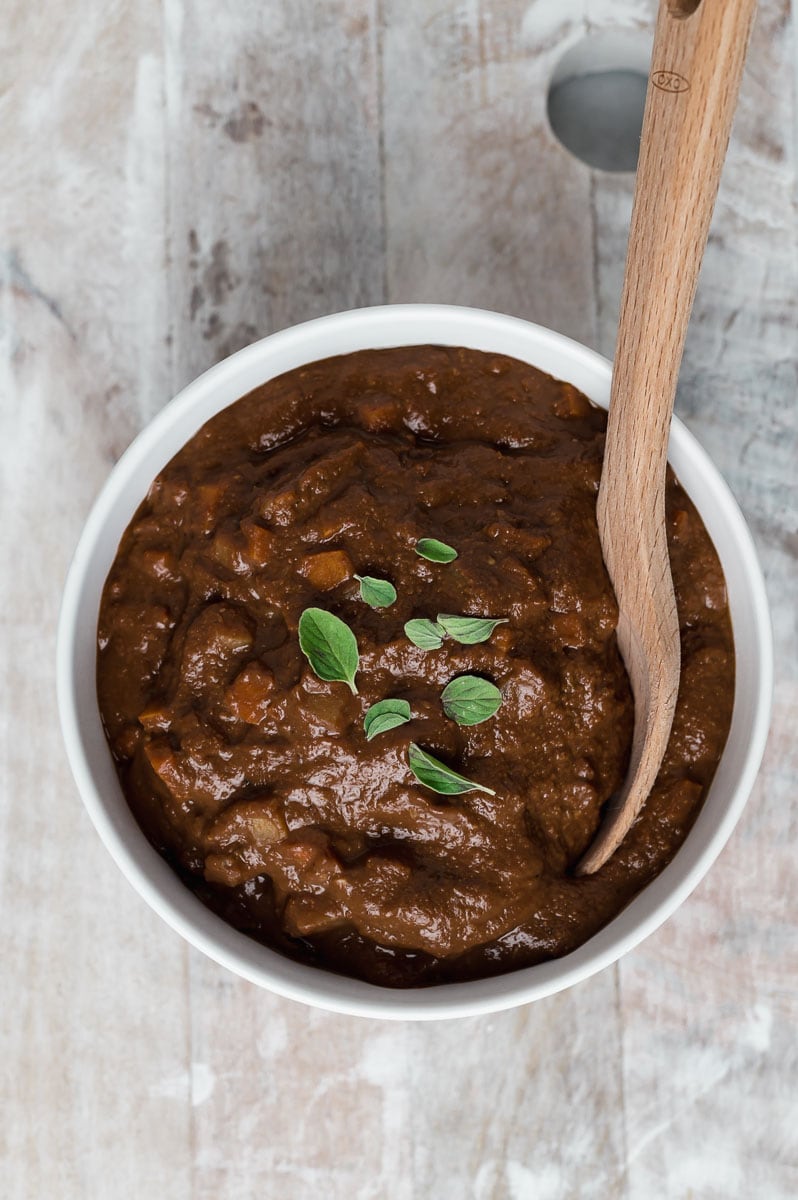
[[178, 179]]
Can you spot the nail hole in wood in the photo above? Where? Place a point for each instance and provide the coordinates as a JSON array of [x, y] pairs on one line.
[[684, 8]]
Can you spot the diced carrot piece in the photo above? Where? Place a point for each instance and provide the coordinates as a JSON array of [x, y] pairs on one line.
[[680, 523], [307, 914], [254, 823], [160, 564], [329, 525], [156, 717], [332, 707], [166, 766], [219, 630], [570, 403], [570, 628], [327, 569], [160, 756], [229, 869], [279, 507], [207, 501], [228, 549], [378, 412], [258, 544], [310, 862], [248, 696]]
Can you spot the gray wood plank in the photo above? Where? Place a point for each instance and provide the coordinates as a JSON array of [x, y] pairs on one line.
[[276, 216], [92, 992], [708, 1013], [275, 207], [298, 1103], [521, 1104], [483, 206]]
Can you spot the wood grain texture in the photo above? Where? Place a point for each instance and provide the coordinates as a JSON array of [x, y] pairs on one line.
[[325, 156], [482, 204], [274, 198], [712, 994], [696, 67]]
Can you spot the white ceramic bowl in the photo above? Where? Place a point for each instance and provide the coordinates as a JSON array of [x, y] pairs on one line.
[[94, 772]]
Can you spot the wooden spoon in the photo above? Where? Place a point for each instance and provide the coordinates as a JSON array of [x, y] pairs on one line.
[[697, 61]]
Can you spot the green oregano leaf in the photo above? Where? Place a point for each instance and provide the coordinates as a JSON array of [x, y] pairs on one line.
[[438, 777], [469, 630], [425, 634], [385, 715], [435, 551], [378, 593], [469, 700], [329, 646]]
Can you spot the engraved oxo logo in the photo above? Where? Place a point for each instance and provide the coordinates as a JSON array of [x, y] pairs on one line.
[[670, 81]]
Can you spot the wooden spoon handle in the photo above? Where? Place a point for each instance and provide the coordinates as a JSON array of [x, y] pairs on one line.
[[699, 49], [696, 67]]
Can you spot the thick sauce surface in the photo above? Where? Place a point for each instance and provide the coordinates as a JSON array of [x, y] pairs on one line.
[[254, 778]]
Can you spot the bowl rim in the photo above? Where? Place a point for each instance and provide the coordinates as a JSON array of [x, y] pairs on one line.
[[161, 888]]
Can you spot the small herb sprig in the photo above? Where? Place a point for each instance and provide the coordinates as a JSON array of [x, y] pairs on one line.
[[377, 593], [427, 635], [385, 715], [435, 551], [438, 777], [329, 646], [468, 631], [470, 699]]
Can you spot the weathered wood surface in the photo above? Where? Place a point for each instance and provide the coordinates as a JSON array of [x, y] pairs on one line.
[[178, 179]]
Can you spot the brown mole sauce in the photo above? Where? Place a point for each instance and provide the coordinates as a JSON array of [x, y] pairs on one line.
[[254, 779]]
